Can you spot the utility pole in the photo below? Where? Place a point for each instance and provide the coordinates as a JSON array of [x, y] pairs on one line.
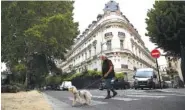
[[158, 73]]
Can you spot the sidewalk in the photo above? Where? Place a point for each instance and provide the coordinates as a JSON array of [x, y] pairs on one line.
[[57, 104], [173, 90], [21, 101]]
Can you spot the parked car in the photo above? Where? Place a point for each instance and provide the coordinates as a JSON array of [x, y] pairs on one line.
[[118, 84], [65, 85], [164, 84], [52, 87]]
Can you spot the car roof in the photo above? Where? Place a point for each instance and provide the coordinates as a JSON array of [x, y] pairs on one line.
[[145, 69]]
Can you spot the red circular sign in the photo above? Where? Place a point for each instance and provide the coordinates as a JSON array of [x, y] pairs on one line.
[[155, 53]]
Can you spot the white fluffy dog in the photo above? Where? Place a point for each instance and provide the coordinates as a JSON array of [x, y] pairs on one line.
[[81, 96]]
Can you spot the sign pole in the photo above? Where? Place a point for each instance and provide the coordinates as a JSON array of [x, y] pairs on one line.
[[158, 73], [156, 54]]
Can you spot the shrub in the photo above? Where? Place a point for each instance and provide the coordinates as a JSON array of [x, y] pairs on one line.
[[90, 73], [10, 89], [20, 87], [119, 75], [93, 73]]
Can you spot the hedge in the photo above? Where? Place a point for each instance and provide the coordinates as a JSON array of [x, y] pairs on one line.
[[119, 75], [90, 74], [93, 73]]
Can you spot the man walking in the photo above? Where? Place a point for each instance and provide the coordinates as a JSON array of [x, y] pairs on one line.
[[108, 74]]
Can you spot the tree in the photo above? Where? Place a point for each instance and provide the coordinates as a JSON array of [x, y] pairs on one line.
[[166, 28], [35, 33]]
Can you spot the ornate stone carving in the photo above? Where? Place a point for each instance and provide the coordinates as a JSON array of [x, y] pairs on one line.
[[99, 17], [86, 30], [89, 25]]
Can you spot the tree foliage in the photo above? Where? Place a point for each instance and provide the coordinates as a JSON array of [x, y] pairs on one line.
[[166, 25], [35, 33]]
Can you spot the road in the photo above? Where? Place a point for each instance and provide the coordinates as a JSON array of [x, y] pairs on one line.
[[126, 100]]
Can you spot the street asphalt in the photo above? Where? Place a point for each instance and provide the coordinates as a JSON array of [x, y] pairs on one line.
[[125, 100]]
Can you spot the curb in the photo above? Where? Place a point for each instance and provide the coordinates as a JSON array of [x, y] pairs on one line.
[[179, 91], [57, 104]]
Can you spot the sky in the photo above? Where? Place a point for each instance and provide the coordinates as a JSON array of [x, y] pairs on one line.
[[85, 11]]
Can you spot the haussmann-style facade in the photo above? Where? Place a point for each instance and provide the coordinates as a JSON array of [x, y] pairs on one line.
[[113, 35]]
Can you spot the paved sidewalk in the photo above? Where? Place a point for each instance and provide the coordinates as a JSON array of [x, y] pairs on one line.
[[57, 104], [173, 90]]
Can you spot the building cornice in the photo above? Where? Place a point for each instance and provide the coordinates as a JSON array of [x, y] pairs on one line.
[[141, 60], [146, 53]]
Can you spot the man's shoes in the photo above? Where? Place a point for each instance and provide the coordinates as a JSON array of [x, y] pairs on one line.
[[108, 97], [114, 94]]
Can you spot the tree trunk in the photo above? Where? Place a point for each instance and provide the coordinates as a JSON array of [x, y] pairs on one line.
[[183, 61]]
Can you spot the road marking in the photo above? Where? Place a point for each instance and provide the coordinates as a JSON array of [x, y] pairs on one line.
[[154, 94], [117, 98], [93, 102], [148, 96]]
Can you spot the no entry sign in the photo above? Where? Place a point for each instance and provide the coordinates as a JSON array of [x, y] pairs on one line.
[[155, 53]]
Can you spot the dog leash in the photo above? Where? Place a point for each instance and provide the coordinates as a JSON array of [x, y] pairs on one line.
[[91, 84]]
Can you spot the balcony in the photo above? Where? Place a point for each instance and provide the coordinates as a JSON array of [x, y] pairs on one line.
[[117, 50]]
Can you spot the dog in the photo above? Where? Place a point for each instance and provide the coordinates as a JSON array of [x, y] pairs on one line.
[[81, 96]]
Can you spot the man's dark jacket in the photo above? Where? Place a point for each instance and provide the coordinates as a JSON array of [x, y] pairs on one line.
[[105, 68]]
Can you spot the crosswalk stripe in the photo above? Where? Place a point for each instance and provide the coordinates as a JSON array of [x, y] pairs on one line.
[[117, 98], [154, 94], [93, 102], [146, 96]]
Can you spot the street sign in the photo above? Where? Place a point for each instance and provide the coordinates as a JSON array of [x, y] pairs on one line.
[[155, 53]]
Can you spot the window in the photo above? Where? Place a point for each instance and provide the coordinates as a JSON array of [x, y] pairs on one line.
[[124, 66], [95, 69], [121, 34], [108, 34], [133, 62], [144, 74], [109, 45], [121, 44], [170, 65], [85, 55], [89, 53], [95, 49]]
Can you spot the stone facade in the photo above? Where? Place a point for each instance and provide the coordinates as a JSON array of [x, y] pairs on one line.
[[120, 42]]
